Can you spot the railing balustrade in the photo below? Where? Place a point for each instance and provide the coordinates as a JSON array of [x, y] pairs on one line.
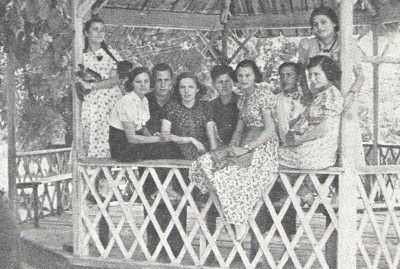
[[44, 181], [128, 218]]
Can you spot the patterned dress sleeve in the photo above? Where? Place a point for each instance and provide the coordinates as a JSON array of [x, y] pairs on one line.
[[267, 100], [328, 104]]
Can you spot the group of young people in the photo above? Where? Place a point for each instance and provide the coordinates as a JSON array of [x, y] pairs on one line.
[[239, 140]]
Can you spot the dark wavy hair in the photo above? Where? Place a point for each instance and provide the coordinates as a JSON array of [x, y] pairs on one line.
[[133, 74], [159, 68], [222, 69], [296, 66], [202, 90], [326, 11], [328, 65], [252, 64], [103, 45]]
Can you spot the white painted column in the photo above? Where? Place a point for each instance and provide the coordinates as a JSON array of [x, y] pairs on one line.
[[347, 245]]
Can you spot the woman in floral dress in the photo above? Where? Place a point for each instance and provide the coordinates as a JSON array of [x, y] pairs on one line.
[[97, 104], [313, 139], [240, 174], [325, 25]]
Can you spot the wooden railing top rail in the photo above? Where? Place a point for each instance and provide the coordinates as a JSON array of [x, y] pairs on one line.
[[382, 144], [379, 169], [42, 152], [173, 163]]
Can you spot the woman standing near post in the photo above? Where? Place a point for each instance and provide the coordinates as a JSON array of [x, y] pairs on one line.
[[325, 25], [103, 93], [240, 174]]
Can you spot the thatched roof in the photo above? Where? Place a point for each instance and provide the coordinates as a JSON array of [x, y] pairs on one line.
[[246, 14]]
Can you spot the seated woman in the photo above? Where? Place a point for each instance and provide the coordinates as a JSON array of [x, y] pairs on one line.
[[187, 120], [312, 140], [240, 174], [225, 108], [129, 138]]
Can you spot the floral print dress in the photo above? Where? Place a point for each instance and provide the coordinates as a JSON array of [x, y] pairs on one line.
[[319, 153], [97, 105], [311, 48], [240, 187]]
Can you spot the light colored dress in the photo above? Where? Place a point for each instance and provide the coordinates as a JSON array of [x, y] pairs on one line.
[[319, 153], [240, 187], [288, 108], [97, 105], [309, 48]]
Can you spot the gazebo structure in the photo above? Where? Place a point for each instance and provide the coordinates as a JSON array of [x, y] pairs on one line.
[[337, 242]]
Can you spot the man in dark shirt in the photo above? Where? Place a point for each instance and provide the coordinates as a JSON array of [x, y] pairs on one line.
[[225, 108], [162, 92]]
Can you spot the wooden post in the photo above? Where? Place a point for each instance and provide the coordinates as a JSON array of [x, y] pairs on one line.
[[11, 111], [375, 71], [347, 231], [225, 58], [78, 227]]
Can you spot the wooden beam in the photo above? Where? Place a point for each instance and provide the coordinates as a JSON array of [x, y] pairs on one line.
[[375, 81], [160, 19], [200, 21], [11, 141], [282, 21], [347, 242], [78, 45]]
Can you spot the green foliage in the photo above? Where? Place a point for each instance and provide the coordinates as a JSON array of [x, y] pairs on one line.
[[38, 33]]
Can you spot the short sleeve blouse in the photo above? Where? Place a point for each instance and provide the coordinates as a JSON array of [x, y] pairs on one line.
[[250, 107], [130, 108], [189, 122], [100, 62], [328, 103]]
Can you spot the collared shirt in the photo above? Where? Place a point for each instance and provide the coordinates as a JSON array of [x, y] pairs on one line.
[[130, 108], [288, 108]]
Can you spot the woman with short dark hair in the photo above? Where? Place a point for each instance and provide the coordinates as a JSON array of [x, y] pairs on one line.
[[129, 138], [239, 174]]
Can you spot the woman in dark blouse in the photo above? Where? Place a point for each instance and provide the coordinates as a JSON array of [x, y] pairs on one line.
[[225, 108], [187, 120]]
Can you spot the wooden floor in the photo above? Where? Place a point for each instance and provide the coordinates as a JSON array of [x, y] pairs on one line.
[[56, 231]]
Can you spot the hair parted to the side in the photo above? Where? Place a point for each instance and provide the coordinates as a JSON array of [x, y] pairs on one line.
[[202, 90], [296, 66], [252, 64], [326, 11], [222, 69], [328, 66], [133, 74], [159, 68]]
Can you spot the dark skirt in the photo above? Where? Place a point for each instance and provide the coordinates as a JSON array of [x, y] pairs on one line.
[[123, 151]]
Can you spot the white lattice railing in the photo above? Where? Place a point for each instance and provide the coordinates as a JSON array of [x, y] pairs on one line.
[[44, 181], [127, 211], [389, 154], [378, 231]]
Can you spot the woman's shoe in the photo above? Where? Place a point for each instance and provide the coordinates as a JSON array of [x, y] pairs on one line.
[[240, 230]]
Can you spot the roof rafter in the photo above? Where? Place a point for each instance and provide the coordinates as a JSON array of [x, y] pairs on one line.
[[201, 21]]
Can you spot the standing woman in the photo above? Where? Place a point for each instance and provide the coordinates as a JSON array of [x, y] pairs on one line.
[[325, 25], [240, 174], [97, 104]]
